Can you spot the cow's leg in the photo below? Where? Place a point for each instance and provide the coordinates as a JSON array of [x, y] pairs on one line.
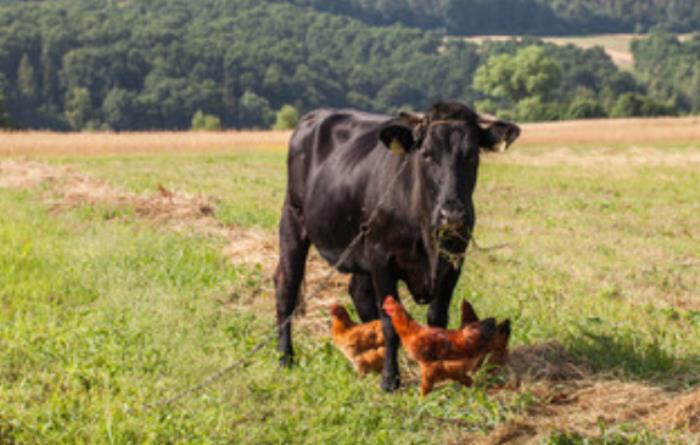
[[294, 246], [384, 283], [438, 312], [362, 293]]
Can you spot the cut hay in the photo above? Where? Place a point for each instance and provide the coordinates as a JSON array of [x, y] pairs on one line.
[[546, 362], [184, 212], [14, 174], [572, 399], [70, 189], [259, 248], [681, 412], [582, 411]]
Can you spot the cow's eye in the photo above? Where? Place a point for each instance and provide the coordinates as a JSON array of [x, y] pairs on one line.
[[428, 156]]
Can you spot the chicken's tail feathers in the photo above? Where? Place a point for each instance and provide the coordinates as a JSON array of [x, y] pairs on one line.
[[487, 328], [468, 314], [504, 328]]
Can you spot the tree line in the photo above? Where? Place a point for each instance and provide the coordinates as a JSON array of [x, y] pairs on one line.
[[517, 17], [176, 64]]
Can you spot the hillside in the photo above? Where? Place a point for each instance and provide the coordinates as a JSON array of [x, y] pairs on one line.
[[514, 17], [173, 64]]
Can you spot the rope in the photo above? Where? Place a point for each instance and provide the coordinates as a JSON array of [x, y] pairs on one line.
[[223, 372], [218, 375]]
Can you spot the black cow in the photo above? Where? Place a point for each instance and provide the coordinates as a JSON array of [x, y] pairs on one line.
[[340, 164]]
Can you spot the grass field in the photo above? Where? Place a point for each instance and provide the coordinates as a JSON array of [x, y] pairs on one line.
[[616, 45], [129, 270]]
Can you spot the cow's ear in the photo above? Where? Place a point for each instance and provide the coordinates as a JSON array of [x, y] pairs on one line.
[[397, 136], [498, 135]]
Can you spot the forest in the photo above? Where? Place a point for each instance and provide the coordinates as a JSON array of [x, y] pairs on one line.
[[174, 64], [515, 17]]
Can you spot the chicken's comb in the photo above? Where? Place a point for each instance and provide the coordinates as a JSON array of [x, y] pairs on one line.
[[389, 303]]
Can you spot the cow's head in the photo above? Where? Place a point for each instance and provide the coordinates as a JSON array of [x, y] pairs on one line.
[[444, 144]]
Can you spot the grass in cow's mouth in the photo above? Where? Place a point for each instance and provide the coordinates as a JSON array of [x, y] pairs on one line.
[[102, 311]]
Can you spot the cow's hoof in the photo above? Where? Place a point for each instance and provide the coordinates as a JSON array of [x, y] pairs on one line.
[[390, 383], [286, 361]]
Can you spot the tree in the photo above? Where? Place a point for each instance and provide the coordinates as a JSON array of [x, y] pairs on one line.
[[119, 109], [635, 105], [25, 78], [530, 73], [533, 109], [694, 88], [143, 74], [524, 83], [254, 111], [585, 109], [4, 119], [78, 108], [206, 122], [287, 118]]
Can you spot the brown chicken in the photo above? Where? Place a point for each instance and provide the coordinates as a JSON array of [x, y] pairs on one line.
[[362, 344], [444, 354], [498, 350]]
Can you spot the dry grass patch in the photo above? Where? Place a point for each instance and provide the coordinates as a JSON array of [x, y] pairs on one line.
[[597, 133], [54, 143], [602, 158], [321, 286], [637, 132], [73, 189], [573, 399], [184, 212], [583, 408]]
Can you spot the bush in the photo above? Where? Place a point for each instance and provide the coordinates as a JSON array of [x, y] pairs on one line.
[[534, 109], [287, 118], [254, 111], [78, 108], [206, 122], [585, 109], [637, 105]]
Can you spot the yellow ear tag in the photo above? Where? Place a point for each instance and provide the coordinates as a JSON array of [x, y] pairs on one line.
[[397, 147]]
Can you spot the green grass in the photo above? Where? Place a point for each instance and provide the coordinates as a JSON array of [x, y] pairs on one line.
[[101, 315]]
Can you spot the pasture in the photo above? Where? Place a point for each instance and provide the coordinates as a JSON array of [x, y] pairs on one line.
[[617, 46], [134, 265]]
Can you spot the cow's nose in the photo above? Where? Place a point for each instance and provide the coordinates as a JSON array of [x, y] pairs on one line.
[[452, 217]]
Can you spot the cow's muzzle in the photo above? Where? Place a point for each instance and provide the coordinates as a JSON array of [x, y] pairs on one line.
[[452, 218]]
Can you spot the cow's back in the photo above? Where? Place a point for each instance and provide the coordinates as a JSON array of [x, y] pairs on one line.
[[334, 156], [328, 141]]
